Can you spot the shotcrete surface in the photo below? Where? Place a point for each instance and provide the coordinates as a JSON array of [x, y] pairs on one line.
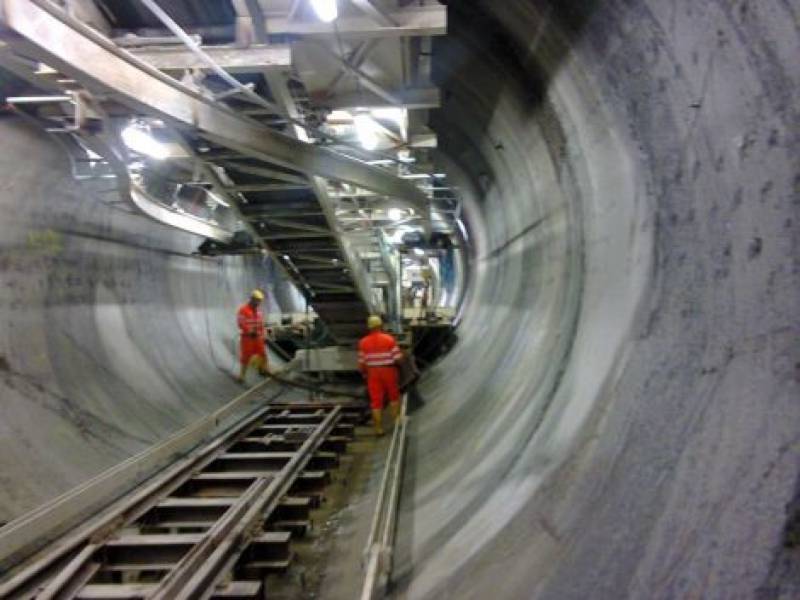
[[113, 335], [620, 417]]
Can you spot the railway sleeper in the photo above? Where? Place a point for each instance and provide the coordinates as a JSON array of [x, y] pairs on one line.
[[234, 590], [144, 552]]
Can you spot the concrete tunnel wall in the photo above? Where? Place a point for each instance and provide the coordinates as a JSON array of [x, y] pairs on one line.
[[112, 335], [620, 417]]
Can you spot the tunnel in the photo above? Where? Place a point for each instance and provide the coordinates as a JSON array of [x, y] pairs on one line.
[[619, 416]]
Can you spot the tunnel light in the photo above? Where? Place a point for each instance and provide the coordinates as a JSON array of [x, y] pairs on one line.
[[326, 10], [367, 131], [395, 214], [138, 139]]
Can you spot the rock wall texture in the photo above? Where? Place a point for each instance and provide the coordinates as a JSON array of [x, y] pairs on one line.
[[621, 417]]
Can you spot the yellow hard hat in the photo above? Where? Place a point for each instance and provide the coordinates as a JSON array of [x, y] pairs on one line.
[[374, 322], [257, 295]]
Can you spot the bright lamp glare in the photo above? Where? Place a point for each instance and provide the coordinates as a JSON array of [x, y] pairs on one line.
[[366, 131], [395, 214], [419, 251], [326, 9], [141, 142]]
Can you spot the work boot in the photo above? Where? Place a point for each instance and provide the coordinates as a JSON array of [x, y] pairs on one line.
[[377, 420]]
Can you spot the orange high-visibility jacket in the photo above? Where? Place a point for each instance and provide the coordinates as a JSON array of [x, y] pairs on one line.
[[251, 320], [377, 349]]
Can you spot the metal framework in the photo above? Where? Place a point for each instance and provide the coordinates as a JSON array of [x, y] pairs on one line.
[[260, 161], [213, 525], [232, 59], [254, 149], [410, 21]]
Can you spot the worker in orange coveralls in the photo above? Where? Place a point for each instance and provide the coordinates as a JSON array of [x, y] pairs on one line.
[[251, 329], [378, 358]]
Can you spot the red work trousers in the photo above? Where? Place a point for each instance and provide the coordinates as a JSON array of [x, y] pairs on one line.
[[251, 347], [381, 382]]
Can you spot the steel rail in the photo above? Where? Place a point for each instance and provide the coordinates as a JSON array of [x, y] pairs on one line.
[[197, 574], [54, 517], [231, 531], [377, 555]]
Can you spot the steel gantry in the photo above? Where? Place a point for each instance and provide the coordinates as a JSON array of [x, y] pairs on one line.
[[253, 148]]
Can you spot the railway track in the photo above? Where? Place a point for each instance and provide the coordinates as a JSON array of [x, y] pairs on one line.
[[213, 525]]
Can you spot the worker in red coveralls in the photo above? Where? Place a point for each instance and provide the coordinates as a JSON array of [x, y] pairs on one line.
[[378, 358], [251, 329]]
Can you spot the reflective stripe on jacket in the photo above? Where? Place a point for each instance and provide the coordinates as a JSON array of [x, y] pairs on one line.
[[378, 349]]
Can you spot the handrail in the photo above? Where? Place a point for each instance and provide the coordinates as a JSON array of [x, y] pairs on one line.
[[377, 554]]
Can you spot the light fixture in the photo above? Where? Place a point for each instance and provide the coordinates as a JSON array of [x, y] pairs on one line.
[[395, 214], [326, 10], [419, 251], [367, 131], [138, 138]]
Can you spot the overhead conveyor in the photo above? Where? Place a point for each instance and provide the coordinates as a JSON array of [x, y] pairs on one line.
[[274, 182]]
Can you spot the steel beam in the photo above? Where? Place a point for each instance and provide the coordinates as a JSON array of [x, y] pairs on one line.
[[355, 59], [233, 60], [260, 171], [412, 99], [298, 236], [266, 187], [250, 24], [369, 82], [412, 21], [375, 12], [289, 224], [86, 56]]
